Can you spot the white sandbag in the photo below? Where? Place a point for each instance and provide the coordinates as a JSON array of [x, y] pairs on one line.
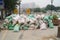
[[23, 16], [19, 21], [42, 16], [32, 27], [16, 18], [43, 25], [6, 20], [22, 20], [58, 18], [31, 21], [14, 22], [38, 16], [27, 19]]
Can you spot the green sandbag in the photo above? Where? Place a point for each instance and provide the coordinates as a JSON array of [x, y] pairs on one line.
[[25, 27], [46, 18], [16, 28], [49, 21], [20, 28], [9, 18], [51, 25], [51, 17], [13, 15], [31, 16], [10, 26]]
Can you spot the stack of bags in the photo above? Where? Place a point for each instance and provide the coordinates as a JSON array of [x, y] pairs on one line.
[[32, 21]]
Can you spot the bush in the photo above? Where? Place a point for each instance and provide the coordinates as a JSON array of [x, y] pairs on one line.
[[55, 17], [44, 11]]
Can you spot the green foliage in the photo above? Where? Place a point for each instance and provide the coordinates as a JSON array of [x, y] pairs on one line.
[[37, 10], [43, 10], [50, 7], [57, 8], [10, 4], [55, 17]]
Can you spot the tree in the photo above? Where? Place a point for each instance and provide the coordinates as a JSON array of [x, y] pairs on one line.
[[43, 10], [37, 10], [10, 5], [57, 8], [50, 7]]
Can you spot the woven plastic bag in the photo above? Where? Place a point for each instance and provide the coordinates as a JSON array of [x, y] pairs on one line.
[[43, 25], [42, 16], [10, 26], [9, 18], [31, 27], [51, 17], [31, 16], [5, 25], [16, 28], [46, 18], [51, 25]]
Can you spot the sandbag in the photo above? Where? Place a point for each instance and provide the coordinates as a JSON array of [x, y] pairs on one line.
[[10, 26], [46, 18], [27, 19], [25, 27], [43, 25], [51, 25], [51, 17], [16, 28], [22, 20], [6, 21], [14, 22], [15, 19], [5, 25], [38, 16], [23, 16], [42, 16], [13, 15], [31, 16], [8, 17], [32, 26]]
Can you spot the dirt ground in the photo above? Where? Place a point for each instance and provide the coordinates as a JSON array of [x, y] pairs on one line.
[[28, 34]]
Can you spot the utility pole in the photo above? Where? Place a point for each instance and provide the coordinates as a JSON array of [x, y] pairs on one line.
[[19, 6], [19, 3], [51, 6]]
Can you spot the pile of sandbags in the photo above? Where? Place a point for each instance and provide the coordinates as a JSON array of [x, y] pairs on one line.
[[49, 20], [31, 21]]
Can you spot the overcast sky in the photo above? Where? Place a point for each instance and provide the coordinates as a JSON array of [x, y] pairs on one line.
[[42, 3]]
